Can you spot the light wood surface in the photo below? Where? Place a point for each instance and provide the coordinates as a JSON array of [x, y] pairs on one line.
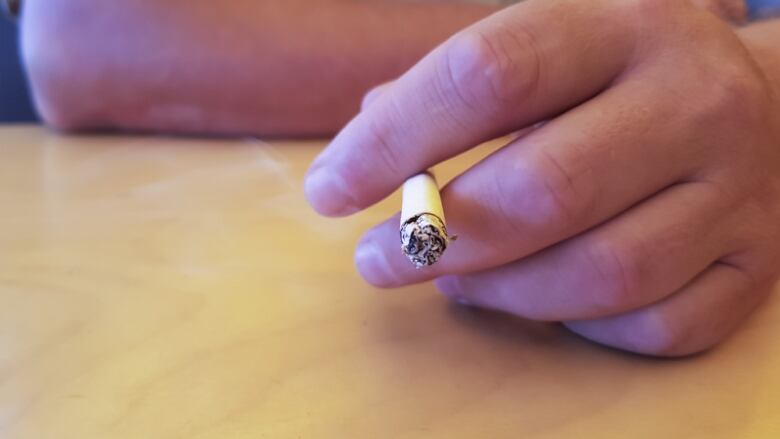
[[178, 288]]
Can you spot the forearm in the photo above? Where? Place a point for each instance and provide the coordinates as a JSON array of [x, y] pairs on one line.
[[268, 67]]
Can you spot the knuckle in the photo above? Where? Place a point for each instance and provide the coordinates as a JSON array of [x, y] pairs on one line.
[[493, 67], [536, 191], [371, 95], [756, 268], [738, 91], [509, 209], [506, 212], [378, 134], [559, 201], [614, 275], [734, 94]]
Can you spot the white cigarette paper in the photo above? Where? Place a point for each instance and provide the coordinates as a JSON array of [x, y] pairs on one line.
[[423, 229]]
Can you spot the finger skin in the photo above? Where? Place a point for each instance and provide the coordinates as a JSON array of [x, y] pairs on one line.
[[515, 68], [693, 320], [651, 129], [374, 93], [576, 171], [629, 262]]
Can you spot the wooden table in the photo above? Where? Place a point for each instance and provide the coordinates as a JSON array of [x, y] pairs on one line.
[[177, 288]]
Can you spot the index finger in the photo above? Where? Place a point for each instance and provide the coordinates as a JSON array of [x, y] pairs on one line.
[[517, 67]]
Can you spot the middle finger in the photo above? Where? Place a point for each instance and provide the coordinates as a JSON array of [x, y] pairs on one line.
[[575, 172]]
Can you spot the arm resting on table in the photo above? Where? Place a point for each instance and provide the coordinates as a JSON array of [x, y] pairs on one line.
[[273, 67]]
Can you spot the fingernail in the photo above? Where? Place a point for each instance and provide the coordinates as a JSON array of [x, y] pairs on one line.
[[328, 193], [372, 264]]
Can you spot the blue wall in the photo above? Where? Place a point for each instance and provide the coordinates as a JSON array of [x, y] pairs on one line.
[[15, 103]]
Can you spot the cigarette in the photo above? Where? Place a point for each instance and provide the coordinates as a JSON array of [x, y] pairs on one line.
[[423, 229]]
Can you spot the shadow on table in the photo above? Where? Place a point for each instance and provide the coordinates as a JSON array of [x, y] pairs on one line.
[[463, 364]]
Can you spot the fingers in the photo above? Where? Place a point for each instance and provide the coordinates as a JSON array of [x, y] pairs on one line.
[[631, 261], [508, 71], [576, 171], [694, 319]]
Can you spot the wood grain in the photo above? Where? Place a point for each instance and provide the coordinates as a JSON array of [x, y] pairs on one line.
[[178, 288]]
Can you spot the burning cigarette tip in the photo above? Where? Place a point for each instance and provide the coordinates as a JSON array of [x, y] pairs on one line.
[[423, 231]]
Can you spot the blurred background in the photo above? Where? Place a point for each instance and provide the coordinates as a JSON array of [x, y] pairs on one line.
[[15, 104]]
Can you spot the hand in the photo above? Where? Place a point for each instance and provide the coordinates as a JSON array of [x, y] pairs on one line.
[[644, 214]]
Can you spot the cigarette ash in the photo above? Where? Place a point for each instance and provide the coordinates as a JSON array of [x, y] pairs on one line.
[[424, 239]]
